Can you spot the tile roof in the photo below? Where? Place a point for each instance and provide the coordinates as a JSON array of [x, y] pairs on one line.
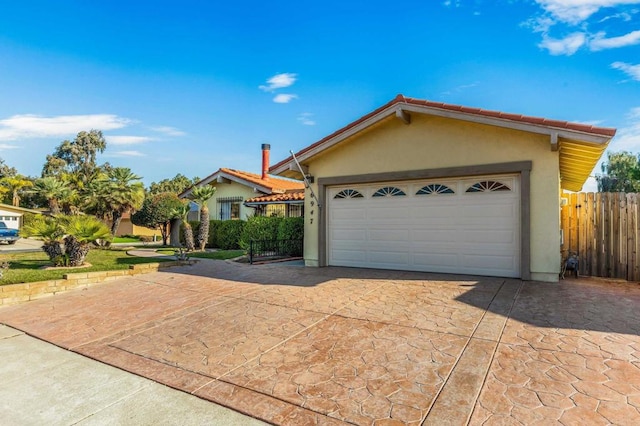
[[517, 118], [275, 184], [276, 198]]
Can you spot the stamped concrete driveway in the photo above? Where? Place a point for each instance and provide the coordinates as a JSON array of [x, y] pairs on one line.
[[294, 345]]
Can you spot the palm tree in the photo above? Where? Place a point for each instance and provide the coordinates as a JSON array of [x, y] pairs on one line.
[[53, 190], [51, 232], [201, 196], [120, 191], [81, 231], [16, 184], [182, 213]]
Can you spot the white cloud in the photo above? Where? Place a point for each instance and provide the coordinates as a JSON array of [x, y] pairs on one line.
[[628, 137], [600, 42], [6, 147], [279, 81], [566, 46], [125, 154], [305, 118], [576, 11], [35, 126], [168, 130], [632, 71], [284, 98], [127, 140]]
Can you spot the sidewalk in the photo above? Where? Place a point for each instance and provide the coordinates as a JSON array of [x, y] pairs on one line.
[[44, 384]]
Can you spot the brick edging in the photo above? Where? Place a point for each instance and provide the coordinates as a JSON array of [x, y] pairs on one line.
[[12, 294]]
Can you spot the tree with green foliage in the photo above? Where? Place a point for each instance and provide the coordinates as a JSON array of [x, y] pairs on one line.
[[51, 189], [177, 184], [78, 156], [81, 232], [16, 184], [113, 194], [157, 212], [201, 196], [182, 213], [51, 232], [76, 232], [620, 173], [6, 171]]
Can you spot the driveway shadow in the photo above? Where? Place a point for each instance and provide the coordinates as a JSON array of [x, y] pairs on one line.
[[587, 304]]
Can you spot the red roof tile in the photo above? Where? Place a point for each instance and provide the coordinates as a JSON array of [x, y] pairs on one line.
[[400, 99], [272, 183], [275, 198]]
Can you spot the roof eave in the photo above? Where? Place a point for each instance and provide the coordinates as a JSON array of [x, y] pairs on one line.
[[400, 107]]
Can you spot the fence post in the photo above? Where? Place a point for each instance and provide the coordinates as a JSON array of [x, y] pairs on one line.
[[250, 252]]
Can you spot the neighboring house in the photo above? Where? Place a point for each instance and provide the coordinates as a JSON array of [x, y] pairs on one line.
[[426, 186], [126, 227], [240, 195], [12, 216]]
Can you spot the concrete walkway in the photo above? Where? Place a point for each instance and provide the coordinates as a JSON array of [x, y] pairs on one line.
[[354, 346], [44, 384]]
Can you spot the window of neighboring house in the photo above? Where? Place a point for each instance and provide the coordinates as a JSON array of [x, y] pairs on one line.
[[295, 210], [228, 208]]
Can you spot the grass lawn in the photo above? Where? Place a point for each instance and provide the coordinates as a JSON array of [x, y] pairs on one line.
[[217, 255], [126, 240], [25, 267]]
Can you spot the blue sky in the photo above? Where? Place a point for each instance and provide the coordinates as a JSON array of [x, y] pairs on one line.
[[191, 86]]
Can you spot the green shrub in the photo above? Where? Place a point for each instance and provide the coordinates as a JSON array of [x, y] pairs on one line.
[[291, 228], [260, 228], [29, 218], [228, 233], [213, 232]]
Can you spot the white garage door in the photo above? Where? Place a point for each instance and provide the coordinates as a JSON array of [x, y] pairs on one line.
[[463, 225]]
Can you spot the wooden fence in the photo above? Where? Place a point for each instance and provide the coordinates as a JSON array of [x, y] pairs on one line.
[[603, 229]]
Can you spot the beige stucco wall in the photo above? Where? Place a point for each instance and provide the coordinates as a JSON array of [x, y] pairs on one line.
[[434, 142], [233, 189]]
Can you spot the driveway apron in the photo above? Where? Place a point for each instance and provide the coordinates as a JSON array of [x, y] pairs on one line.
[[295, 345]]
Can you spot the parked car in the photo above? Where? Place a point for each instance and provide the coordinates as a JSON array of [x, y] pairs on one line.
[[8, 235]]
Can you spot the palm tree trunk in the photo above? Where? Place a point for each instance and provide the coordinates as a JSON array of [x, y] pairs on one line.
[[188, 237], [53, 249], [203, 229], [115, 224], [76, 250], [54, 206]]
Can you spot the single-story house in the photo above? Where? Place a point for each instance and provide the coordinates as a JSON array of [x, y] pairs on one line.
[[127, 227], [241, 194], [12, 215], [427, 186]]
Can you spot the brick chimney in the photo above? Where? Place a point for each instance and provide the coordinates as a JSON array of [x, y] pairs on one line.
[[265, 160]]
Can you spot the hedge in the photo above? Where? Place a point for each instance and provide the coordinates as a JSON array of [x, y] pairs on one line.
[[228, 232], [235, 234], [260, 228]]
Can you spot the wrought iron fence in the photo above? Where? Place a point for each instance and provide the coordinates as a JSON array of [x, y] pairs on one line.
[[274, 250]]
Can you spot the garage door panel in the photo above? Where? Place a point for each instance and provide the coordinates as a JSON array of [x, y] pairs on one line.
[[349, 235], [346, 257], [490, 236], [438, 236], [470, 233], [389, 235], [389, 257]]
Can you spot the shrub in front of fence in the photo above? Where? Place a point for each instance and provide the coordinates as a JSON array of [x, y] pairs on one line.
[[228, 234], [260, 228]]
